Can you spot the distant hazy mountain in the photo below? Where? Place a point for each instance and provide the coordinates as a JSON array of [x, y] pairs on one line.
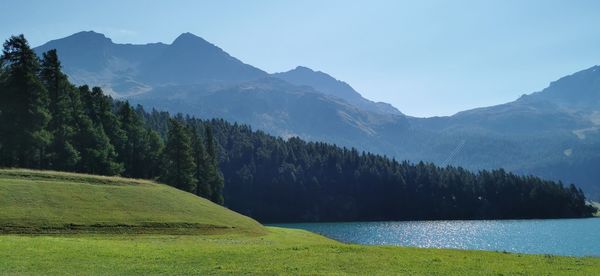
[[280, 108], [196, 77], [328, 85], [91, 58], [126, 69], [192, 60], [553, 133], [579, 92]]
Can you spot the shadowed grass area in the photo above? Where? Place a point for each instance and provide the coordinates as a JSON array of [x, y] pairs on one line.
[[55, 202]]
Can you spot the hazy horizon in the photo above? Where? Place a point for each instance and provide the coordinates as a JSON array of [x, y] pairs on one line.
[[429, 58]]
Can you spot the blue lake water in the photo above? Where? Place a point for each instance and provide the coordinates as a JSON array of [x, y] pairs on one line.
[[570, 237]]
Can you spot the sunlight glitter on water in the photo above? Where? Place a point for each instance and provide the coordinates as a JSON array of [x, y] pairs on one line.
[[574, 237]]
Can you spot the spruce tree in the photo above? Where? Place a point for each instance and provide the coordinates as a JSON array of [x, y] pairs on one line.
[[98, 155], [153, 156], [99, 108], [3, 106], [62, 153], [179, 164], [214, 177], [25, 107], [202, 161], [135, 147]]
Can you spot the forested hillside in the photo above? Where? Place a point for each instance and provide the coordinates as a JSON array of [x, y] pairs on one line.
[[48, 123]]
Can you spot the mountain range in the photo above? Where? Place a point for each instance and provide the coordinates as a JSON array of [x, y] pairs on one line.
[[553, 133]]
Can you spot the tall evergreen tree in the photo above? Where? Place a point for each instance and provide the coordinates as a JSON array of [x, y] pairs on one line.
[[214, 177], [202, 161], [3, 105], [154, 153], [25, 107], [135, 146], [179, 164], [62, 155], [99, 108], [98, 155]]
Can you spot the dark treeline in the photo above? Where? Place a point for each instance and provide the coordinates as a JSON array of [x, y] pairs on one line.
[[277, 180], [48, 123]]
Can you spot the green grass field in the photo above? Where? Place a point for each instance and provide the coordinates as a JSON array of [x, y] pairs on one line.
[[90, 216], [281, 251], [43, 202]]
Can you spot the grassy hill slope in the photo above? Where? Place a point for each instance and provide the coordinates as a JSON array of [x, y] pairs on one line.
[[42, 202]]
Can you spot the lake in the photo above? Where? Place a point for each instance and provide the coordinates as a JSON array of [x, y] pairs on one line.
[[569, 237]]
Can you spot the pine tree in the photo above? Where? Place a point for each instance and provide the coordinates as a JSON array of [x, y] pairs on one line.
[[135, 147], [153, 156], [98, 155], [99, 108], [3, 105], [214, 176], [178, 157], [25, 107], [202, 161], [62, 155]]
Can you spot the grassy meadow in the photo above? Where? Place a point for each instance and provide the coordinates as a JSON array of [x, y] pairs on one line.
[[49, 202], [280, 251], [61, 223]]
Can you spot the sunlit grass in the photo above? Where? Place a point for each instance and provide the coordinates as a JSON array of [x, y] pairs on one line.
[[112, 225], [282, 251], [42, 202]]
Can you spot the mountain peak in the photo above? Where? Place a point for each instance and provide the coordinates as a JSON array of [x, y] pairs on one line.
[[191, 60], [578, 91], [303, 68], [190, 38], [329, 85], [89, 36]]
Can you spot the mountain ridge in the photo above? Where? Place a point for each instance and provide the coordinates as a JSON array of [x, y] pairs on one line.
[[329, 85], [124, 73]]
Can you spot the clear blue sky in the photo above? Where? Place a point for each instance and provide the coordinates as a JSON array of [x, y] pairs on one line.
[[426, 58]]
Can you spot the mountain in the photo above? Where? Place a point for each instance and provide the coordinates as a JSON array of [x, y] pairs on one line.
[[553, 133], [579, 92], [192, 60], [92, 58], [196, 77], [280, 108], [330, 86], [126, 69]]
